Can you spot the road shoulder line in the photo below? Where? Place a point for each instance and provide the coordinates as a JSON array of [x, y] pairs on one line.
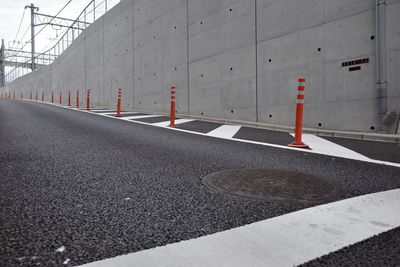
[[307, 234]]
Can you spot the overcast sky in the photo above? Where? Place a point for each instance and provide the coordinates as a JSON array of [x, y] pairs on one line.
[[11, 13]]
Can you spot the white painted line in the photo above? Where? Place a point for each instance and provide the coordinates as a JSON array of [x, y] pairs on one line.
[[140, 117], [323, 146], [103, 110], [225, 131], [381, 162], [287, 240], [122, 113], [166, 123]]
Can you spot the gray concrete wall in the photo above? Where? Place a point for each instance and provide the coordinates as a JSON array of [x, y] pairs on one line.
[[232, 59]]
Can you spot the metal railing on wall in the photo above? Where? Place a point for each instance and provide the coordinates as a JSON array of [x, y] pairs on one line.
[[93, 11]]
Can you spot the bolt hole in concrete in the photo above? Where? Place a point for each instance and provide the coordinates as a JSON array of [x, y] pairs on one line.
[[274, 185], [319, 49], [270, 115], [319, 124], [372, 37], [372, 128], [231, 111]]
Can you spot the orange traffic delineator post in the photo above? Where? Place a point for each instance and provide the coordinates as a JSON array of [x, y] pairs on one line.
[[88, 100], [30, 95], [69, 98], [172, 116], [52, 97], [299, 115], [77, 98], [119, 102], [60, 99], [22, 95]]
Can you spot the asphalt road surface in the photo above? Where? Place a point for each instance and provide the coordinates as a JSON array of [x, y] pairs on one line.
[[78, 187]]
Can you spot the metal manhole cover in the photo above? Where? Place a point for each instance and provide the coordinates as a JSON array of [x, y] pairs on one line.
[[273, 185]]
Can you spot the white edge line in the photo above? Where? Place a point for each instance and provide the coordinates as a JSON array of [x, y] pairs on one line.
[[308, 233], [387, 163]]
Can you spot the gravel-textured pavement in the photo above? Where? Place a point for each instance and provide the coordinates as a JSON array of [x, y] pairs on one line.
[[374, 150], [101, 187], [382, 250]]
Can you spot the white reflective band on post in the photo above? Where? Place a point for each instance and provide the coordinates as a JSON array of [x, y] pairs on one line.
[[300, 101], [300, 92], [302, 84]]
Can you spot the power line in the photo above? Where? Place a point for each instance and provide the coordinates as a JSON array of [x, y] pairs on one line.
[[44, 26], [19, 28], [22, 38], [27, 29], [70, 27], [20, 23]]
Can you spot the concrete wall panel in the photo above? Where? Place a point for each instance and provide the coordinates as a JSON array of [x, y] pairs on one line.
[[278, 18], [94, 62], [222, 66], [160, 55], [118, 55], [231, 59]]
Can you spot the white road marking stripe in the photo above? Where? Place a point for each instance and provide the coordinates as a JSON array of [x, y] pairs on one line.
[[225, 131], [323, 146], [287, 240], [166, 123], [122, 113], [98, 110], [387, 163], [140, 117]]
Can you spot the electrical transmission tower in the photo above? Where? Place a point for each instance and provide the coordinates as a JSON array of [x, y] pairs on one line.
[[33, 8], [18, 58]]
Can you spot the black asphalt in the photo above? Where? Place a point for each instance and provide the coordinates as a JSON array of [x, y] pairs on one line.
[[103, 187], [375, 150], [263, 135], [199, 126], [382, 250]]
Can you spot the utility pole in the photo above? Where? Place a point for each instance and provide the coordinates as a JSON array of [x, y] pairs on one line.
[[36, 61], [33, 8], [2, 64]]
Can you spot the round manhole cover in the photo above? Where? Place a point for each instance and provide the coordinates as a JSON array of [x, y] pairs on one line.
[[273, 185]]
